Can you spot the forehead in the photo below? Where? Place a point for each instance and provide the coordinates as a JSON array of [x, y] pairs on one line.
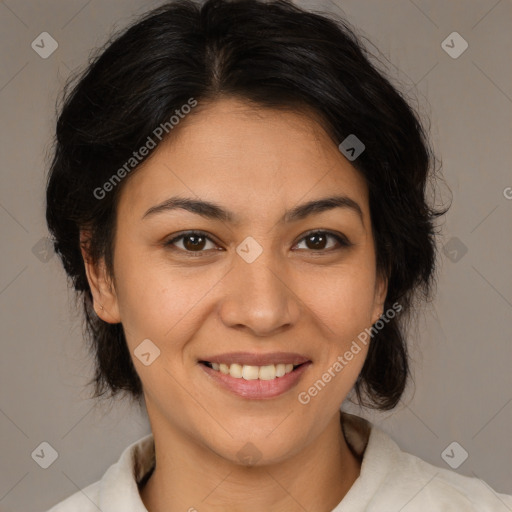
[[236, 154]]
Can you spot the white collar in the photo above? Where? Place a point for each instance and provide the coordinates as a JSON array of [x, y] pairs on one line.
[[119, 490]]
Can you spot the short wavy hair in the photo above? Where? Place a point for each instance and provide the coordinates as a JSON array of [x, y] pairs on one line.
[[271, 54]]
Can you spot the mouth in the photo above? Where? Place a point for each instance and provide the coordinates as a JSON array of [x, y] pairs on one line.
[[255, 376], [253, 372]]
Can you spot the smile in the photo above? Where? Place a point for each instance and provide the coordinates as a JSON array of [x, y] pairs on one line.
[[250, 372], [249, 381]]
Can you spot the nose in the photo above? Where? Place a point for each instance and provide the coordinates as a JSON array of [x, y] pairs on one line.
[[259, 298]]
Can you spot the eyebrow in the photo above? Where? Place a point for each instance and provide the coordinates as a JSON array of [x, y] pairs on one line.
[[214, 211]]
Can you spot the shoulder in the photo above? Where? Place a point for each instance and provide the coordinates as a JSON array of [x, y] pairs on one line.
[[84, 500], [419, 486], [392, 479], [118, 487]]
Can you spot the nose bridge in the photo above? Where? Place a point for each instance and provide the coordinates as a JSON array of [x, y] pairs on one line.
[[257, 295]]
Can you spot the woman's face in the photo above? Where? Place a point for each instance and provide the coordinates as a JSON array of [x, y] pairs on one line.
[[254, 284]]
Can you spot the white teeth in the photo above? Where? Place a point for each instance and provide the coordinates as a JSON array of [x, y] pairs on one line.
[[235, 370], [280, 370], [268, 372], [251, 372]]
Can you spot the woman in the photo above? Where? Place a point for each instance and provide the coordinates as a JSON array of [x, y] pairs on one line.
[[240, 198]]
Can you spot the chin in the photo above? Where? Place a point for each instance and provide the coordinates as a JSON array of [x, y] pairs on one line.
[[259, 449]]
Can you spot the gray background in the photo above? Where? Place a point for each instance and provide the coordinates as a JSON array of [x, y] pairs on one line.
[[461, 346]]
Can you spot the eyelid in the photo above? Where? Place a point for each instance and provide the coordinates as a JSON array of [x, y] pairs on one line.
[[193, 232], [342, 240], [339, 237]]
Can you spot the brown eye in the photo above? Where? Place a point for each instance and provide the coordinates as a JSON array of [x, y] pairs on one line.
[[194, 242], [191, 242], [318, 241]]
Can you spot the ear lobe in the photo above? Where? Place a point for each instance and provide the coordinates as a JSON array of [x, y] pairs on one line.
[[100, 283]]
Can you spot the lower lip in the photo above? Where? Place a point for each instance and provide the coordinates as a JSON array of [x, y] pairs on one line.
[[257, 389]]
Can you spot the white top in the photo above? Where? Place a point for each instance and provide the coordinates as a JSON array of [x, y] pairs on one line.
[[390, 480]]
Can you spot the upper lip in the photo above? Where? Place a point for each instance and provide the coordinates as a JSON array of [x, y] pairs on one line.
[[252, 359]]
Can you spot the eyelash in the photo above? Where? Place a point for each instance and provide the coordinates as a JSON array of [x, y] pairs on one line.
[[343, 242]]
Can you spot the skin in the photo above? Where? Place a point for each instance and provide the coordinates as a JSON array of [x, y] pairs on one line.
[[257, 164]]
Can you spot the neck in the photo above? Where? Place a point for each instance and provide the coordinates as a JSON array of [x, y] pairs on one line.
[[188, 478]]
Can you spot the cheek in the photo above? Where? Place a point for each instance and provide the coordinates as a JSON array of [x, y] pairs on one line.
[[342, 299], [156, 301]]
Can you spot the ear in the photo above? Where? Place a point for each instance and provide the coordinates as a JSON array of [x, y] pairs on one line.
[[381, 291], [100, 283]]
